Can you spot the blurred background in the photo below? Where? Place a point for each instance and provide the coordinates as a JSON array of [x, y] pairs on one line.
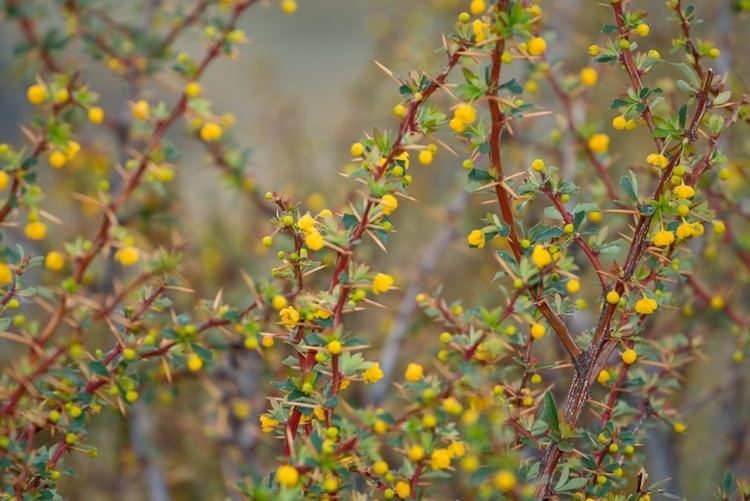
[[302, 90]]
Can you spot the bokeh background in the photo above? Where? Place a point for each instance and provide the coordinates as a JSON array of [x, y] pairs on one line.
[[303, 89]]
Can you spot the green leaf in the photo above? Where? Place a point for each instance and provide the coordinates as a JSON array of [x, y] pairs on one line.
[[549, 412], [629, 185], [480, 175]]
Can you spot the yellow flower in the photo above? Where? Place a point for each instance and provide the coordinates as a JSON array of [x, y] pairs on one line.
[[289, 316], [685, 231], [645, 306], [425, 157], [466, 113], [380, 468], [603, 376], [452, 406], [413, 372], [440, 459], [211, 131], [267, 424], [589, 76], [613, 297], [540, 256], [5, 179], [403, 489], [399, 110], [643, 29], [194, 363], [381, 283], [719, 227], [457, 449], [96, 115], [335, 347], [573, 286], [599, 143], [306, 223], [457, 126], [478, 27], [629, 356], [127, 256], [683, 191], [72, 150], [6, 275], [476, 239], [416, 453], [657, 160], [288, 7], [505, 481], [679, 427], [278, 302], [373, 374], [389, 203], [193, 89], [538, 165], [62, 96], [57, 159], [314, 241], [537, 330], [663, 238], [37, 94], [594, 50], [54, 261], [141, 110], [357, 149], [717, 302], [537, 46], [35, 230], [287, 475], [380, 426], [477, 7]]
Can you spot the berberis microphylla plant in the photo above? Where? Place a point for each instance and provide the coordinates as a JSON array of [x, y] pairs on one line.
[[616, 236]]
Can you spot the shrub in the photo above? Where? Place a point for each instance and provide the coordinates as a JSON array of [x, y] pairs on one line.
[[549, 385]]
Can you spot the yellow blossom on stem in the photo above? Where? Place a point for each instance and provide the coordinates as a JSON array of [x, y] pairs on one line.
[[589, 76], [683, 191], [381, 283], [389, 204], [289, 316], [440, 459], [211, 132], [373, 374], [505, 481], [540, 256], [476, 239], [141, 110], [537, 330], [6, 274], [537, 46], [663, 238], [645, 306], [658, 160], [573, 286], [54, 260], [629, 356], [287, 475], [599, 143], [414, 372], [35, 230], [314, 241], [95, 115], [37, 94], [127, 256]]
